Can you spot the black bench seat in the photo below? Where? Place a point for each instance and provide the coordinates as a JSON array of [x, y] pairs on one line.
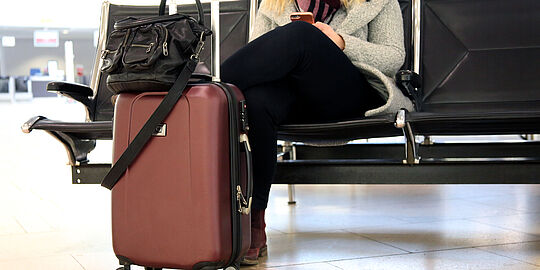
[[475, 123], [369, 127]]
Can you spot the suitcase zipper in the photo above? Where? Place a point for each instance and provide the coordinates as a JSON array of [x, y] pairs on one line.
[[235, 183]]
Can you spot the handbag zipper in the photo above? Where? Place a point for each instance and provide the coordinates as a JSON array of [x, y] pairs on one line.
[[131, 24], [105, 52], [148, 47], [165, 48]]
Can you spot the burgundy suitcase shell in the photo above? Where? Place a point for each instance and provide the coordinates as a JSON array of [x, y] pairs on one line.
[[175, 205]]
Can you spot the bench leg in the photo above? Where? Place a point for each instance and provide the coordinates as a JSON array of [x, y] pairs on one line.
[[291, 194], [289, 147], [411, 154]]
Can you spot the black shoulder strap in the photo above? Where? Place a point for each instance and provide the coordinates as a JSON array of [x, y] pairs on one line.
[[149, 127]]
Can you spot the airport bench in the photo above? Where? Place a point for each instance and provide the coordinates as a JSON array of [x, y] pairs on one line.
[[474, 66]]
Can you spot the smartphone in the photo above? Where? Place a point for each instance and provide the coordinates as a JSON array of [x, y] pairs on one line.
[[302, 16]]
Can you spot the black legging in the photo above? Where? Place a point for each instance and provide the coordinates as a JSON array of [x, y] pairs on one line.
[[293, 73]]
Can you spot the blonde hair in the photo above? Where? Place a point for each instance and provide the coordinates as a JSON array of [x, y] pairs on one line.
[[278, 6]]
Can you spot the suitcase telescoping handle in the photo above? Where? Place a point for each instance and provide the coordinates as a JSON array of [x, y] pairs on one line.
[[244, 206]]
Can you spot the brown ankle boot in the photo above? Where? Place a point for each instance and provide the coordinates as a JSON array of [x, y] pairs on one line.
[[258, 239]]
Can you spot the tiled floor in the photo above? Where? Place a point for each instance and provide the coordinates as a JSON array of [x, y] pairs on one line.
[[48, 223]]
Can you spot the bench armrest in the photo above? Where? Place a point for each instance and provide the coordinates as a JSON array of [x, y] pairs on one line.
[[410, 77], [78, 92], [70, 88], [410, 84]]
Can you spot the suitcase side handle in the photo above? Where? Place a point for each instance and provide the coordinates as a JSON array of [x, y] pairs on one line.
[[244, 206]]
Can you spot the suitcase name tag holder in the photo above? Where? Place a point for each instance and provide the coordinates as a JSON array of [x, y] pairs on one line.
[[160, 131]]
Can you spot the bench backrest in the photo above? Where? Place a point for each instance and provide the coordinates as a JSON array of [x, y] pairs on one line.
[[4, 84], [406, 12], [480, 55], [21, 84], [234, 21]]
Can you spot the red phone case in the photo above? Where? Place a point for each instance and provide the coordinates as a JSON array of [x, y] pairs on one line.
[[302, 16]]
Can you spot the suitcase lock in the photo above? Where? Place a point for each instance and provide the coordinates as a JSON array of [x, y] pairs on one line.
[[244, 116]]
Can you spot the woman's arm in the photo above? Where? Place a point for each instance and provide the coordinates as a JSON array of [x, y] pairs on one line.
[[330, 33], [261, 26], [384, 49]]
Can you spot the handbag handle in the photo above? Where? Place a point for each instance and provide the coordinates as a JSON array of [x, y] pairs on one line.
[[199, 8]]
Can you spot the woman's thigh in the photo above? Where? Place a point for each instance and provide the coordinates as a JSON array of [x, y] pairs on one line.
[[328, 85]]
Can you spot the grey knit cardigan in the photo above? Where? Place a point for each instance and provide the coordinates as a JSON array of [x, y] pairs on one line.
[[373, 35]]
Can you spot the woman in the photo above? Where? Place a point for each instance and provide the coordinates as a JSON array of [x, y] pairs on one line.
[[340, 67]]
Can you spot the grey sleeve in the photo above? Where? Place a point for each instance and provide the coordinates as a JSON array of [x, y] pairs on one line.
[[384, 49], [262, 25]]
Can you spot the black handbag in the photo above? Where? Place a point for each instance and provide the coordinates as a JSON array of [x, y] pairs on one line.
[[151, 54], [148, 54]]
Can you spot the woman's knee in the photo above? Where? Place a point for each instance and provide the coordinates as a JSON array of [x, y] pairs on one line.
[[301, 31]]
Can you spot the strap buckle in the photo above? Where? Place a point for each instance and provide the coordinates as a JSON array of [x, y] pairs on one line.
[[199, 48]]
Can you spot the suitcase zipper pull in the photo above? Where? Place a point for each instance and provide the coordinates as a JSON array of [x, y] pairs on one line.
[[243, 206]]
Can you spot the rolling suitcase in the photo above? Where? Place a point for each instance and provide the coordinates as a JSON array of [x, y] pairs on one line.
[[176, 206], [184, 201]]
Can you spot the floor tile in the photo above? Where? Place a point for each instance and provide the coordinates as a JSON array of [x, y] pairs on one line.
[[65, 262], [272, 232], [319, 247], [431, 236], [97, 261], [442, 260], [325, 218], [517, 199], [314, 197], [313, 266], [527, 252], [33, 223], [441, 210], [527, 223], [9, 225], [32, 245]]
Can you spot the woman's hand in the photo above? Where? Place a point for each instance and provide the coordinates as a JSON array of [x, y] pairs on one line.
[[328, 31]]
